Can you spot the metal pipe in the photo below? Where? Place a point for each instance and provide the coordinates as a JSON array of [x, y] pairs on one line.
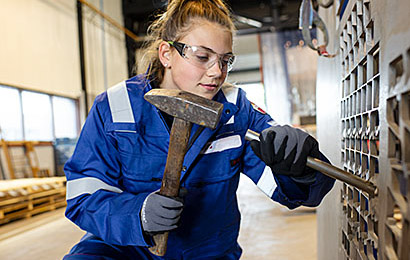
[[82, 53], [330, 170]]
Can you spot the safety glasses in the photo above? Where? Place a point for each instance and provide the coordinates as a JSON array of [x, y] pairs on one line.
[[203, 57]]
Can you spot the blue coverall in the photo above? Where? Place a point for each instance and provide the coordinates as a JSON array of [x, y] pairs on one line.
[[120, 158]]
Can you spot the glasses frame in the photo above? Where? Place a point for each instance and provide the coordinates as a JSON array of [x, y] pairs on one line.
[[179, 46]]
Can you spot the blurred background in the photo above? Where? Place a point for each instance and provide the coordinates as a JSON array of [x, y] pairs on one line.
[[56, 56]]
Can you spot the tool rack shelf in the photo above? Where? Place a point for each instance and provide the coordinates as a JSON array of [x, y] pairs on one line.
[[375, 133], [23, 198], [360, 85]]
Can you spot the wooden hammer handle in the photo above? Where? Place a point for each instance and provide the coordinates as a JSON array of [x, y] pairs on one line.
[[178, 143]]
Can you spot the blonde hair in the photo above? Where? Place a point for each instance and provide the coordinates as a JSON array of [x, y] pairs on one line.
[[174, 23]]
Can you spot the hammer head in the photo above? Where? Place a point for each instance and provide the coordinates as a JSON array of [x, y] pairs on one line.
[[186, 106]]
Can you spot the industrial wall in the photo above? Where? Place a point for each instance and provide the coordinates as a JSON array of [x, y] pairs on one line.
[[328, 132], [39, 51], [105, 50], [363, 95]]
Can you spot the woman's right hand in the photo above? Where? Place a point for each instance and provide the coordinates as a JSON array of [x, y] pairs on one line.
[[160, 213]]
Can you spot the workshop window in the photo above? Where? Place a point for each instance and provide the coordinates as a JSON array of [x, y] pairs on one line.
[[28, 115], [37, 115], [65, 117], [11, 124]]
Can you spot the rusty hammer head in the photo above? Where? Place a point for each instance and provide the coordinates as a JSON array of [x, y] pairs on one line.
[[186, 106]]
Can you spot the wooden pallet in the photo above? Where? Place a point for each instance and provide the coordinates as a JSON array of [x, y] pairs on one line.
[[23, 198], [24, 164]]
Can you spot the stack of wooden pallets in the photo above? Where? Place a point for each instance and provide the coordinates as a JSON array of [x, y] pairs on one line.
[[23, 198]]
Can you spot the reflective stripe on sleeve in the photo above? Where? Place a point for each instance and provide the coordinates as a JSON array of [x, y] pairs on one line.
[[266, 182], [120, 105], [231, 95], [87, 185]]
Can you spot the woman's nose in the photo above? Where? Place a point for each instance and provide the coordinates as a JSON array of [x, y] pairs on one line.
[[216, 69]]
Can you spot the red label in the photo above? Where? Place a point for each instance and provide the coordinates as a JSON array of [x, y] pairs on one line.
[[260, 110]]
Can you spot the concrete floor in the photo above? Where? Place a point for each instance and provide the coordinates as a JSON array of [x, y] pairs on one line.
[[268, 231]]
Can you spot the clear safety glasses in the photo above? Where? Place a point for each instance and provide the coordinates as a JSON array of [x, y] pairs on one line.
[[203, 57]]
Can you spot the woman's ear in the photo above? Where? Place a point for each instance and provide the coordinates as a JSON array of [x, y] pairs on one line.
[[164, 53]]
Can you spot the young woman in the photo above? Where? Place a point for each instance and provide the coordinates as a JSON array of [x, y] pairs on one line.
[[115, 173]]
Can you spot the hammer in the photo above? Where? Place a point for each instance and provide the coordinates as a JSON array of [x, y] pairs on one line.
[[186, 108]]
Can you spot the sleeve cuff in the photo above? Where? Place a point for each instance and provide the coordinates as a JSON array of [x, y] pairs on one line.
[[305, 179]]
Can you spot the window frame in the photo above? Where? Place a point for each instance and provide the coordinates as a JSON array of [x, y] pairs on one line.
[[50, 96]]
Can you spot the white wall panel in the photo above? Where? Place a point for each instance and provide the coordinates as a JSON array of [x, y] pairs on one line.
[[106, 54], [275, 78], [39, 46]]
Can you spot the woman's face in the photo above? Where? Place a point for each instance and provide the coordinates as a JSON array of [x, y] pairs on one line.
[[184, 75]]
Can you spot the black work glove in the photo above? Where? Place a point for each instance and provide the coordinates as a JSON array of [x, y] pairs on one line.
[[160, 213], [285, 150]]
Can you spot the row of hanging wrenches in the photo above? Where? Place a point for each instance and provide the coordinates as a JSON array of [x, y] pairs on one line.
[[330, 170]]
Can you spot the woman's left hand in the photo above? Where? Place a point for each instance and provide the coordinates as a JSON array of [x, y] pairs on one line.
[[285, 149]]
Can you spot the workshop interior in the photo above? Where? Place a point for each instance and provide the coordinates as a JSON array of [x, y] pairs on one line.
[[338, 69]]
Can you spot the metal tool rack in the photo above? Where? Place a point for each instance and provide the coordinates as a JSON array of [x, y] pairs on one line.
[[375, 143]]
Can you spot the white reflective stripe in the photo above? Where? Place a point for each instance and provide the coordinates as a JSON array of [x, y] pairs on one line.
[[272, 123], [120, 105], [223, 144], [266, 182], [231, 95], [87, 185], [125, 131]]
